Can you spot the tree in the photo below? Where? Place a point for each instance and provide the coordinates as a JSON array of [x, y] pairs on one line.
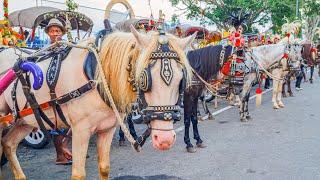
[[311, 17], [224, 13], [280, 11]]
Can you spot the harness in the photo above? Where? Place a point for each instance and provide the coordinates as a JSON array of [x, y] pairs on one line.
[[141, 111], [144, 113], [32, 106]]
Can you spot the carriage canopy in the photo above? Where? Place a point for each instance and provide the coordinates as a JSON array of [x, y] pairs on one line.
[[41, 15]]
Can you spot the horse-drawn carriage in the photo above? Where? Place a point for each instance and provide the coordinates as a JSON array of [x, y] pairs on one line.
[[30, 22]]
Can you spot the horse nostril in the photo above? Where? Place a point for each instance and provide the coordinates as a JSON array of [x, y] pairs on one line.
[[155, 137], [174, 136]]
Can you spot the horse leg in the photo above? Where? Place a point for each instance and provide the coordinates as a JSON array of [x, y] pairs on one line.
[[243, 109], [289, 87], [311, 74], [246, 106], [10, 143], [121, 138], [189, 147], [283, 89], [279, 97], [208, 111], [80, 142], [274, 93], [208, 114], [131, 127], [196, 134], [104, 140]]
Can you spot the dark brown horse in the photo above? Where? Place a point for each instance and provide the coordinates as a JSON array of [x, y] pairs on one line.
[[206, 63], [309, 56]]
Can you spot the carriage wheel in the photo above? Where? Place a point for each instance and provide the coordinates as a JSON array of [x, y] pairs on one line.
[[36, 139]]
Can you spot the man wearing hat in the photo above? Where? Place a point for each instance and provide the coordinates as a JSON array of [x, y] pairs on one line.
[[55, 31]]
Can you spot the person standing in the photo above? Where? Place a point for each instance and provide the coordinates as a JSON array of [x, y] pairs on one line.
[[55, 30]]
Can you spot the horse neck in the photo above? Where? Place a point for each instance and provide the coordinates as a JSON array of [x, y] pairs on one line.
[[207, 65], [269, 54]]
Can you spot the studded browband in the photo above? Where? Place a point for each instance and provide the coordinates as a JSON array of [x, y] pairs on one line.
[[157, 55]]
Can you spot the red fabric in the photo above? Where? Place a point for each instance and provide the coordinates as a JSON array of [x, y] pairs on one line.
[[225, 70], [286, 56], [288, 35], [313, 50], [258, 90]]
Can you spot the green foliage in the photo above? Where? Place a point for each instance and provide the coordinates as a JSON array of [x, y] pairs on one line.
[[226, 13], [71, 5]]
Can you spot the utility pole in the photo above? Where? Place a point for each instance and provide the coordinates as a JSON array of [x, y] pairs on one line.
[[297, 8]]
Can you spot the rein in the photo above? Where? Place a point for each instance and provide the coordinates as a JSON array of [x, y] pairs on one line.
[[208, 86], [263, 69]]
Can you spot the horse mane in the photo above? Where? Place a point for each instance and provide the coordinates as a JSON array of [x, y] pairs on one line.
[[117, 51], [206, 61]]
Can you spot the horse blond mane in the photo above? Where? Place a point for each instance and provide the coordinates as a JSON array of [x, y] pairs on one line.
[[118, 50]]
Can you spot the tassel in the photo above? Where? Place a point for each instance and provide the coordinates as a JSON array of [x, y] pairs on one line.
[[258, 96]]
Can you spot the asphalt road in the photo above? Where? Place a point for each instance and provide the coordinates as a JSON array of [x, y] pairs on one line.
[[277, 144]]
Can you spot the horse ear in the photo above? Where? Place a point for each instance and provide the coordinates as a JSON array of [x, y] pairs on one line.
[[185, 42], [142, 39]]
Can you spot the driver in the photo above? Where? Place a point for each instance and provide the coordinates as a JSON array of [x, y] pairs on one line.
[[55, 30]]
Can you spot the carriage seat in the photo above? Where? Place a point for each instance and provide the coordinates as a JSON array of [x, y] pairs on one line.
[[90, 66]]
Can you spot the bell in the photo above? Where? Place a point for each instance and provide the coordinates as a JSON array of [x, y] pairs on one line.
[[134, 89]]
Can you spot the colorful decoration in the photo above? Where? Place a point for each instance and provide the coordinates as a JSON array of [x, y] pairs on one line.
[[9, 37], [6, 12], [71, 5]]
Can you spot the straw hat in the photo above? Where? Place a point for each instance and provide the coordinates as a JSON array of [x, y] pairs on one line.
[[55, 22]]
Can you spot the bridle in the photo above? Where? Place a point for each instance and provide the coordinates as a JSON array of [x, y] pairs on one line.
[[290, 60], [142, 112]]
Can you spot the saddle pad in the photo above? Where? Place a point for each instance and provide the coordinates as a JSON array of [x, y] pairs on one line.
[[90, 66]]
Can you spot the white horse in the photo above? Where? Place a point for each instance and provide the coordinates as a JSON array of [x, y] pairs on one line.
[[274, 60], [89, 113]]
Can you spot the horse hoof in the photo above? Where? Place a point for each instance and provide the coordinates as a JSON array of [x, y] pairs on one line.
[[281, 105], [284, 95], [206, 117], [276, 107], [248, 117], [244, 120], [191, 150], [122, 143], [201, 145], [199, 118], [291, 95], [210, 117]]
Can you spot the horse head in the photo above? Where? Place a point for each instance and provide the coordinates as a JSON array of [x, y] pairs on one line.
[[294, 56], [147, 75], [161, 77]]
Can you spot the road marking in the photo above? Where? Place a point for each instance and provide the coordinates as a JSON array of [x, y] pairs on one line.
[[181, 128]]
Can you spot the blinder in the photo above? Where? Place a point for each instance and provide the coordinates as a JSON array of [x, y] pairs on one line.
[[143, 113]]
